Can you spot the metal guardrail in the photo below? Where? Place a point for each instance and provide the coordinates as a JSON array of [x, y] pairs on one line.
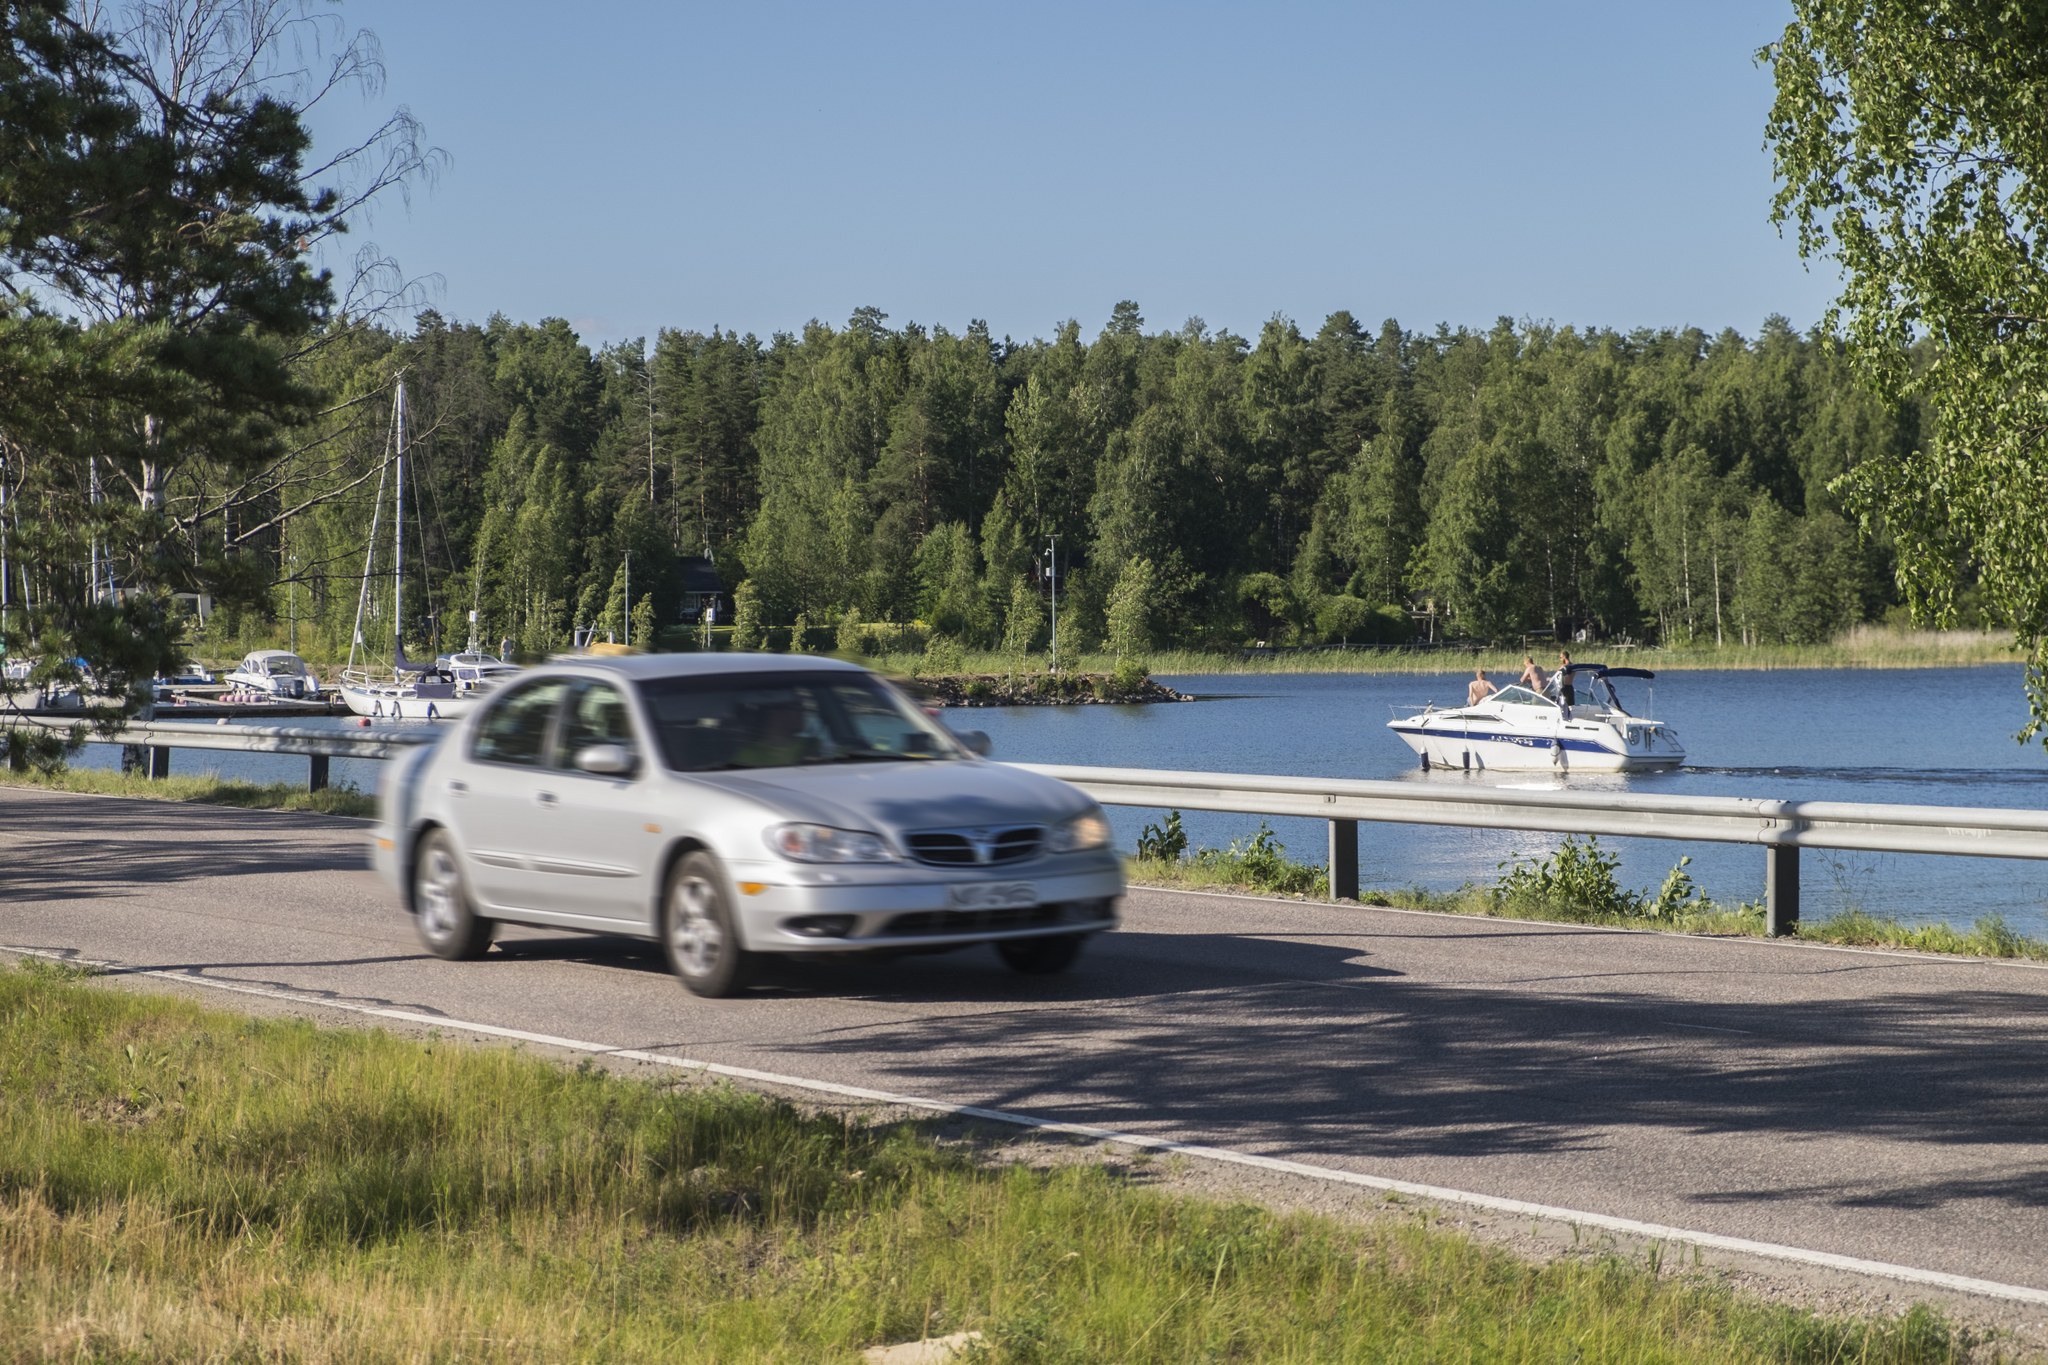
[[1781, 828], [149, 742]]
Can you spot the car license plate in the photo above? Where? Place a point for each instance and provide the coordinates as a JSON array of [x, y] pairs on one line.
[[991, 895]]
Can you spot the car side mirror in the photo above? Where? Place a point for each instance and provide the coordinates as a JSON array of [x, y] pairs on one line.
[[976, 742], [606, 760]]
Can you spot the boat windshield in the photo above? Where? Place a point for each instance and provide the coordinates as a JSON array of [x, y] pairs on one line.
[[1516, 695]]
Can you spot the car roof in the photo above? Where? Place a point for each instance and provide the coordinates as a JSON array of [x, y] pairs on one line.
[[646, 667]]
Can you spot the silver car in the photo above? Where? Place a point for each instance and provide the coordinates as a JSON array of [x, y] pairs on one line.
[[735, 805]]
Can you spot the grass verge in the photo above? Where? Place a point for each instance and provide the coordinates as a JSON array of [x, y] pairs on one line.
[[206, 790], [178, 1183]]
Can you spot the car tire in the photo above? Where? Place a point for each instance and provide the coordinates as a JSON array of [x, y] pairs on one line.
[[698, 931], [441, 909], [1040, 956]]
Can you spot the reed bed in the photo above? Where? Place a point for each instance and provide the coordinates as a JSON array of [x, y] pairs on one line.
[[184, 1184], [1863, 647]]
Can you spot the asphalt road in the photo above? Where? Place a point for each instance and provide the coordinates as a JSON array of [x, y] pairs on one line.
[[1881, 1106]]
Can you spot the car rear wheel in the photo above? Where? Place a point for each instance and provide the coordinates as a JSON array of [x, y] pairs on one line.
[[447, 922], [1040, 956], [698, 933]]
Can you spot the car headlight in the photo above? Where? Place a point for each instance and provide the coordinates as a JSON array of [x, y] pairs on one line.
[[1082, 832], [824, 844]]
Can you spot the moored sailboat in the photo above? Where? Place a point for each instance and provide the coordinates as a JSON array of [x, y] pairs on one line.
[[410, 690]]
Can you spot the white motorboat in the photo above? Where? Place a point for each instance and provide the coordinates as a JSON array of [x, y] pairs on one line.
[[474, 672], [1517, 729], [275, 674]]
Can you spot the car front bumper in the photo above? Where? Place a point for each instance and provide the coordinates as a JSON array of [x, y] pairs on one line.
[[842, 909]]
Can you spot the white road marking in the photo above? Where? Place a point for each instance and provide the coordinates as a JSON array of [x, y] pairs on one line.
[[1440, 1194]]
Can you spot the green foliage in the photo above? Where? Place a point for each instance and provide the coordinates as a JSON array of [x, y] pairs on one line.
[[747, 630], [1341, 619], [851, 638], [1908, 143], [942, 655], [1130, 674], [1258, 862], [1577, 881], [1132, 603], [1166, 842], [800, 634], [1024, 622], [643, 623]]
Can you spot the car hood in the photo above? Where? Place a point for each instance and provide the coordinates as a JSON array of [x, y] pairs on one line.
[[896, 797]]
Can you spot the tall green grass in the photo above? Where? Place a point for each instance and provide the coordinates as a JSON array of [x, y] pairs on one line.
[[180, 1184], [206, 789]]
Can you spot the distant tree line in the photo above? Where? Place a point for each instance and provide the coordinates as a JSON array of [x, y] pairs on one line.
[[1198, 488]]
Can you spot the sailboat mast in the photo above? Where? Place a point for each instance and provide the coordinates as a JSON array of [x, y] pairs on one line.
[[398, 542], [369, 560]]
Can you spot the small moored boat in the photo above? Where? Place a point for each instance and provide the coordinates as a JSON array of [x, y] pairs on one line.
[[1516, 729], [274, 675]]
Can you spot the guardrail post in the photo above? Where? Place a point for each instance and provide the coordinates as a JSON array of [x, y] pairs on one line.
[[1781, 889], [316, 778], [145, 760], [1344, 860]]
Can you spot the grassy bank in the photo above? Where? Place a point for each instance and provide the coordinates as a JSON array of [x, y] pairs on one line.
[[183, 1184], [205, 789], [1862, 648], [1575, 885]]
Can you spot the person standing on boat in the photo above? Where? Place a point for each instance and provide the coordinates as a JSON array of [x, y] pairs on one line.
[[1565, 693], [1479, 689], [1533, 676]]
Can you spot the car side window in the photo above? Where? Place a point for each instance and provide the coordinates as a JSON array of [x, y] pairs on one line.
[[516, 730], [596, 715]]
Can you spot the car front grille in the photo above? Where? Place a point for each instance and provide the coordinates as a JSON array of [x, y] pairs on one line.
[[975, 847], [928, 923]]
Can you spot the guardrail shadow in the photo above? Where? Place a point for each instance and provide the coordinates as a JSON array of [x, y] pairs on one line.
[[65, 847], [1304, 1048]]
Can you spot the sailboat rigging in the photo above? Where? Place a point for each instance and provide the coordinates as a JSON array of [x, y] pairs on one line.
[[412, 691]]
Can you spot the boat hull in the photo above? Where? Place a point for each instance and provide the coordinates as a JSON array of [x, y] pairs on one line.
[[1449, 742], [394, 702]]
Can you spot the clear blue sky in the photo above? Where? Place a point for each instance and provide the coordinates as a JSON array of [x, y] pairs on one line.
[[634, 166]]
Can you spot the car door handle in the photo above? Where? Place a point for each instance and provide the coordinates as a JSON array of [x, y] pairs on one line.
[[544, 798], [458, 789]]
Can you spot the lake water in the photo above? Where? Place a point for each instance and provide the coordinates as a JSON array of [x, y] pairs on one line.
[[1939, 737]]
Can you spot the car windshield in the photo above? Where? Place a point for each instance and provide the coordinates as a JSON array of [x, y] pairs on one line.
[[780, 720]]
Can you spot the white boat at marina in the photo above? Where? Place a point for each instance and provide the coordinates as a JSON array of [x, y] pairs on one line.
[[1517, 729], [474, 671], [274, 675]]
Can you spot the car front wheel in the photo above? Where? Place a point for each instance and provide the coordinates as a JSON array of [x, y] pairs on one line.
[[448, 923], [1040, 956], [697, 930]]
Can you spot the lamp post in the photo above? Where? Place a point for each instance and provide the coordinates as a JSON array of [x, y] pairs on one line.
[[1052, 578]]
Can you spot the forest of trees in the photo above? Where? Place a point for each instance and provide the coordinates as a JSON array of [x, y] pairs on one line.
[[1204, 489]]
